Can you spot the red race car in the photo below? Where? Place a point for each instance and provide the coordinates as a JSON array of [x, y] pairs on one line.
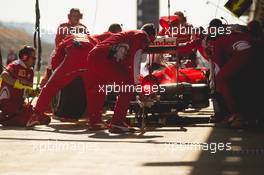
[[179, 86]]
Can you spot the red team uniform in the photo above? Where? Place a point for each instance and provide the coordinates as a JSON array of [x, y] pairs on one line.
[[102, 37], [231, 53], [181, 31], [68, 62], [103, 69], [66, 29], [14, 109], [72, 27]]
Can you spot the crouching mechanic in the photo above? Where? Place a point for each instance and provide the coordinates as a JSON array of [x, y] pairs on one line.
[[232, 54], [17, 80], [69, 62], [116, 61]]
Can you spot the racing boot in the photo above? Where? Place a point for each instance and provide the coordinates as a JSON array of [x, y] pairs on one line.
[[121, 128], [38, 119], [97, 126], [96, 123], [231, 121]]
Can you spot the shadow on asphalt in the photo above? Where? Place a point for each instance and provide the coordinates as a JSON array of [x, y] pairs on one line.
[[124, 140], [175, 124], [245, 158]]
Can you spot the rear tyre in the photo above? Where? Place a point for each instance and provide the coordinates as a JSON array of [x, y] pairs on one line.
[[70, 102]]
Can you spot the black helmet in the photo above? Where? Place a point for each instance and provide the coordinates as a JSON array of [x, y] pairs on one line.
[[215, 23], [149, 29]]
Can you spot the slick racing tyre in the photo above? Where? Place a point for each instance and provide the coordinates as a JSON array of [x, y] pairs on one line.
[[70, 102]]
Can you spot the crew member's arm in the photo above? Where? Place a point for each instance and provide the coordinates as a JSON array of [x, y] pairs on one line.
[[9, 76], [58, 39], [187, 47], [101, 37], [16, 83], [141, 41], [214, 51], [61, 33], [58, 55]]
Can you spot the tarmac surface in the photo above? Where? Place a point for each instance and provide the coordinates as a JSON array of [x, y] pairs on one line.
[[190, 147]]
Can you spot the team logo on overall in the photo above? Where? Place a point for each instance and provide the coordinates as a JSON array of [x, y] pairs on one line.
[[22, 73], [4, 93], [241, 45]]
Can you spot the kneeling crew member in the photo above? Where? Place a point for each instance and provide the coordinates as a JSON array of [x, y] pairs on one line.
[[16, 79]]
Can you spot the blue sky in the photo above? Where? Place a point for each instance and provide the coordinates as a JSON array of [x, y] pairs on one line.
[[98, 14]]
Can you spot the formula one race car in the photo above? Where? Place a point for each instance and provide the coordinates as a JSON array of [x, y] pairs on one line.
[[178, 87], [167, 87]]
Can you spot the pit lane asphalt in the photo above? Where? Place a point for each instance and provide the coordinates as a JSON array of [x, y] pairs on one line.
[[67, 148]]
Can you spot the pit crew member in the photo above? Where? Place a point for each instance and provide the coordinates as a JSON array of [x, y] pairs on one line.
[[69, 62], [17, 79], [116, 61]]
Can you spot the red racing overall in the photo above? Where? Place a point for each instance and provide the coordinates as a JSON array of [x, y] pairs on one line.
[[231, 53], [14, 110], [69, 62], [104, 70]]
